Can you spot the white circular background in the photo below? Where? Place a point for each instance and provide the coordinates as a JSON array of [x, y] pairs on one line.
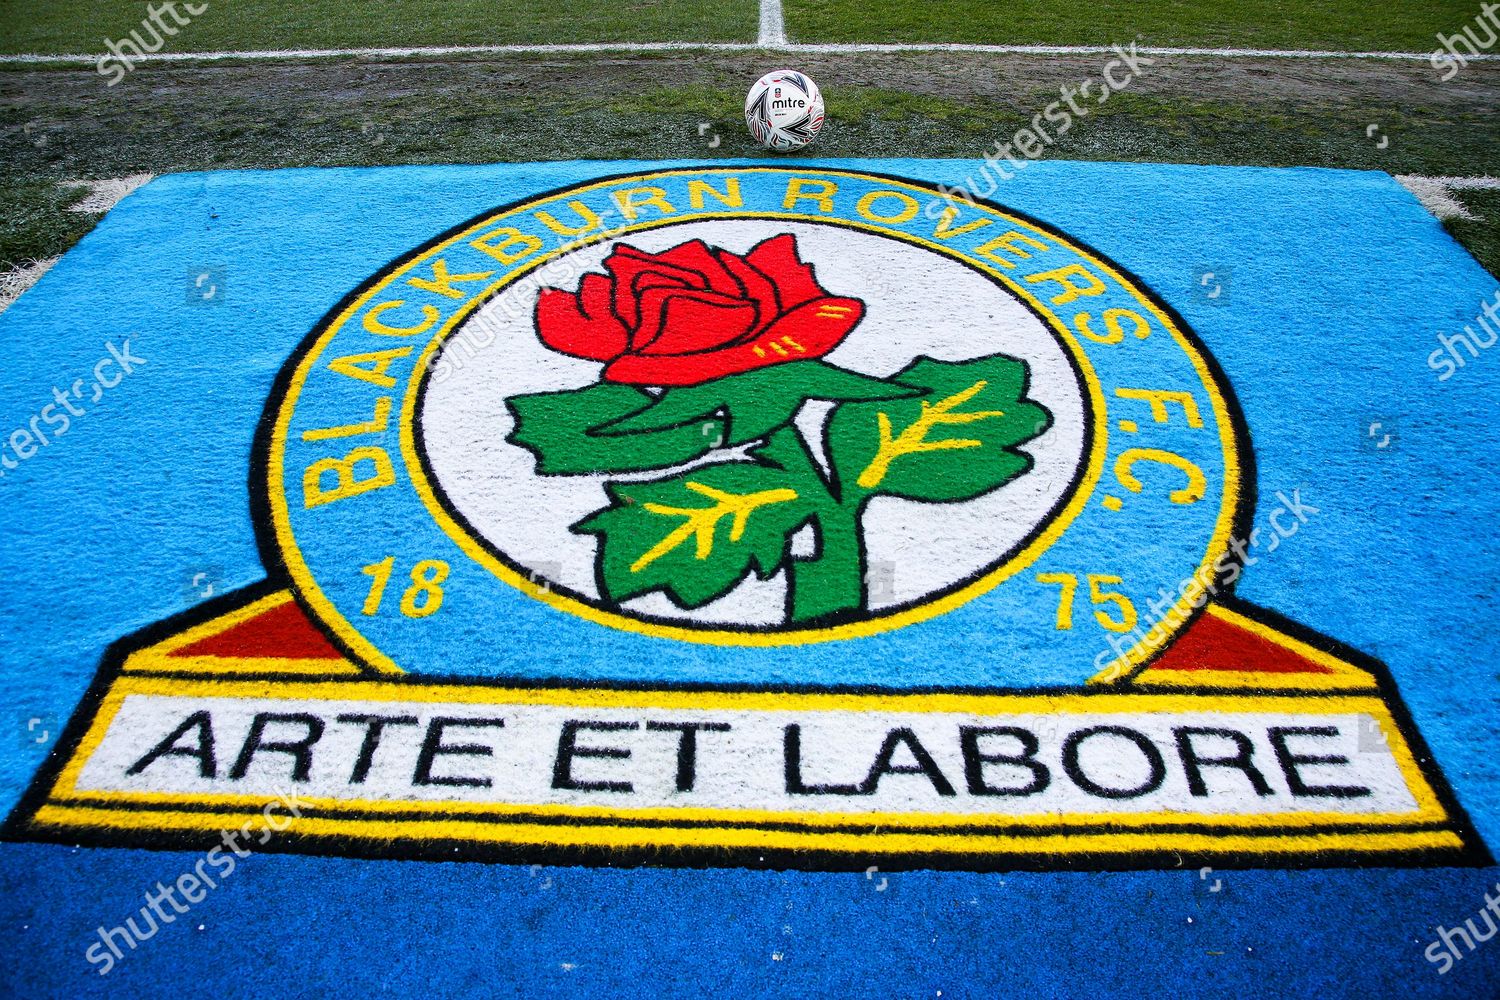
[[917, 302]]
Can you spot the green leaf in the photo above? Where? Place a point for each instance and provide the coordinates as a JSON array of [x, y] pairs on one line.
[[954, 443], [755, 403], [695, 536], [554, 426]]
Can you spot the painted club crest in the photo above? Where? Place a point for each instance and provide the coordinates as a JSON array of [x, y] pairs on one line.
[[833, 416], [764, 515]]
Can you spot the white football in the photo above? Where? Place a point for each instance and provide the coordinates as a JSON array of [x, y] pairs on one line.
[[784, 110]]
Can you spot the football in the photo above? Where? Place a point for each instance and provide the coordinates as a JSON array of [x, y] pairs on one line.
[[784, 110]]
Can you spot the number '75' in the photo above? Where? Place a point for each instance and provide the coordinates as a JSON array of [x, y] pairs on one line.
[[1098, 595]]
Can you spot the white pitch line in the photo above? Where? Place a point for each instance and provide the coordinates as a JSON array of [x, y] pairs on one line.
[[75, 59], [105, 194], [1436, 193], [21, 277], [1471, 183], [772, 25]]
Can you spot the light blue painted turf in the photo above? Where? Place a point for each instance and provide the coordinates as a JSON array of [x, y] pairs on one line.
[[1338, 284]]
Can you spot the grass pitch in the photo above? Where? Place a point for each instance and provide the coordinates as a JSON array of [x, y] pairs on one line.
[[1336, 25], [1480, 235], [81, 26], [238, 118], [35, 223]]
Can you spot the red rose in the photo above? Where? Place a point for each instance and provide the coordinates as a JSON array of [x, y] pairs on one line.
[[695, 313]]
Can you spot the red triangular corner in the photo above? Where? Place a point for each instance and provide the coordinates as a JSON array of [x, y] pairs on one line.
[[282, 632], [1215, 643]]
